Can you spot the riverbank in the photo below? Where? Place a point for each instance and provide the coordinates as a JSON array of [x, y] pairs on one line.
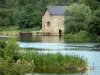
[[45, 61], [56, 61], [32, 33], [82, 36], [18, 33]]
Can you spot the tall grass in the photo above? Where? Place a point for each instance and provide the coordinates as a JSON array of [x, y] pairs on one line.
[[56, 61]]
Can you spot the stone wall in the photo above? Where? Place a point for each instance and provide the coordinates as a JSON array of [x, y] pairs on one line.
[[56, 23], [12, 33]]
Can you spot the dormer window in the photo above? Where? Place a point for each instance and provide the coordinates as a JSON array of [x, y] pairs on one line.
[[48, 24]]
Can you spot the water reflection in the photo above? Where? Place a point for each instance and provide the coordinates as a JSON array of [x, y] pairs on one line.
[[52, 39], [46, 39]]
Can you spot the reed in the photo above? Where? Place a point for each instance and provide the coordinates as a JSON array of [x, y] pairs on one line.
[[56, 61]]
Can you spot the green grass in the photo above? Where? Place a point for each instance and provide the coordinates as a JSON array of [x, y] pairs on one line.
[[56, 61]]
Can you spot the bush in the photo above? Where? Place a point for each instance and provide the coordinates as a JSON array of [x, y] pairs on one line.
[[21, 67], [2, 47], [11, 50], [80, 36], [11, 62]]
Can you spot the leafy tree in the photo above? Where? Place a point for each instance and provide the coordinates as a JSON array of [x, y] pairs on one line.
[[77, 17], [4, 22], [93, 4], [11, 3], [1, 22], [2, 3], [27, 17], [94, 24], [6, 17]]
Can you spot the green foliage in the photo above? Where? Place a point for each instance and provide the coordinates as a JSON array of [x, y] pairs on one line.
[[80, 36], [93, 4], [10, 49], [77, 17], [11, 62], [6, 17], [94, 24], [2, 44], [55, 61], [2, 47], [21, 67], [94, 37], [27, 17]]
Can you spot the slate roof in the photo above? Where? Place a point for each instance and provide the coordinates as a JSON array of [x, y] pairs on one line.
[[56, 10]]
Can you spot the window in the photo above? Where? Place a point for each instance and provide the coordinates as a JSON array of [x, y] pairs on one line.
[[48, 24]]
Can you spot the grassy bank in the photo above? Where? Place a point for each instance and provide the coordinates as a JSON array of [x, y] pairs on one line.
[[13, 60], [48, 61], [82, 36]]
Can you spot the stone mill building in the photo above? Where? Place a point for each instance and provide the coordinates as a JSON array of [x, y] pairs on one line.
[[53, 20]]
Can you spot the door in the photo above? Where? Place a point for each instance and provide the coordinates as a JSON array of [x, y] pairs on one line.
[[60, 33]]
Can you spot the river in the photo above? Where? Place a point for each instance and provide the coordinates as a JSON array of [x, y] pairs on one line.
[[54, 44]]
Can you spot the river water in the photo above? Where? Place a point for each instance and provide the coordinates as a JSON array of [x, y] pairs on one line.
[[54, 44]]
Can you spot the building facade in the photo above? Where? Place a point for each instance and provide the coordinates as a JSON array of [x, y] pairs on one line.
[[53, 20]]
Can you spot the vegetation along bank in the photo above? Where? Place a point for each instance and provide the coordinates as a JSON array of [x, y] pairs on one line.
[[15, 61]]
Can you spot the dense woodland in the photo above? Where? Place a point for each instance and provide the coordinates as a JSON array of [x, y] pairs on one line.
[[27, 14]]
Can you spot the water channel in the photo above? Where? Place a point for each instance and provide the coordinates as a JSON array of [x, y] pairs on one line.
[[54, 44]]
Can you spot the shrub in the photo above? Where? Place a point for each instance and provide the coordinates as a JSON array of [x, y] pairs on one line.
[[21, 67], [11, 50], [80, 36]]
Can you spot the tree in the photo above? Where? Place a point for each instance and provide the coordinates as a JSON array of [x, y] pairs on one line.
[[6, 17], [27, 17], [11, 3], [77, 17], [94, 24], [93, 4]]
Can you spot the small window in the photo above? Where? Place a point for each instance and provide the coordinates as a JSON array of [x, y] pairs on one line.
[[48, 24]]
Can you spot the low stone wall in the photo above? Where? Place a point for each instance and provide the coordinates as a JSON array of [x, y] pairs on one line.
[[37, 33], [9, 33]]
